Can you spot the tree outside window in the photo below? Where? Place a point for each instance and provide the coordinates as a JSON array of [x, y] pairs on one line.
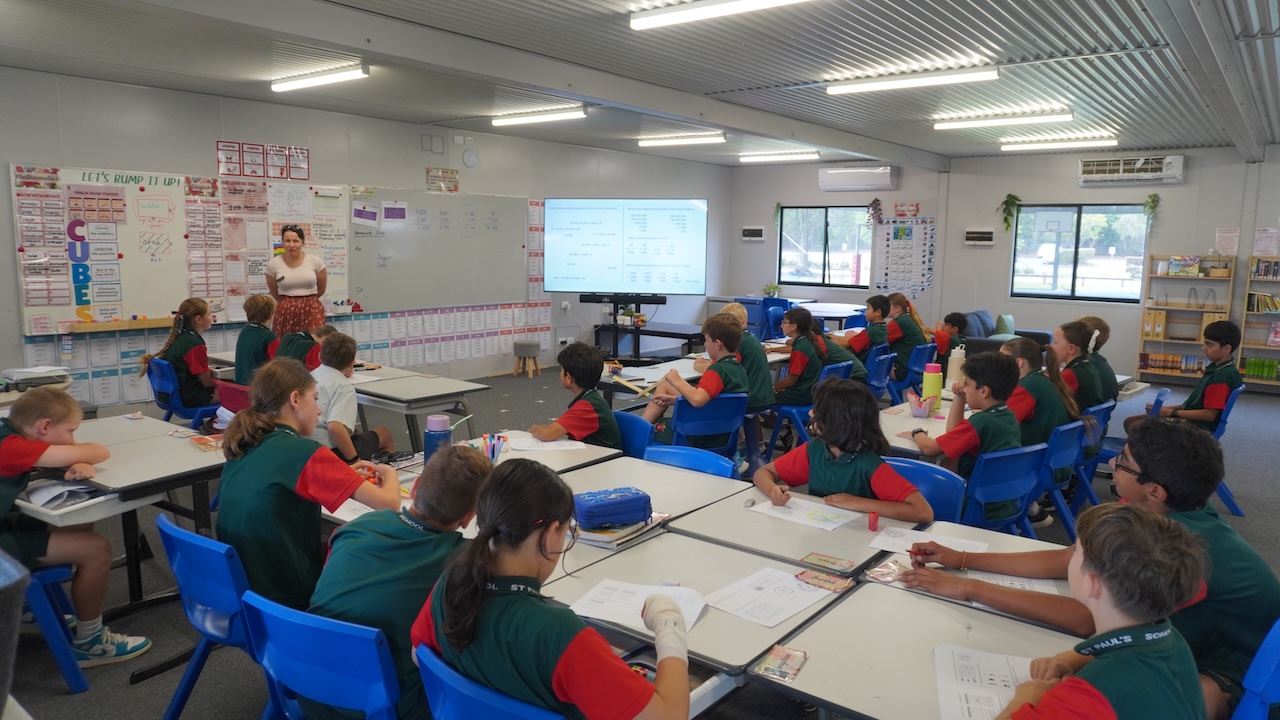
[[1080, 252], [824, 246]]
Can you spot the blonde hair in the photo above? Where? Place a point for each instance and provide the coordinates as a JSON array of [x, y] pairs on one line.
[[259, 308], [273, 384], [43, 403], [735, 309], [899, 300], [185, 317]]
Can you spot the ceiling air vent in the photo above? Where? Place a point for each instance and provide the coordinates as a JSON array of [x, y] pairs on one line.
[[1149, 170]]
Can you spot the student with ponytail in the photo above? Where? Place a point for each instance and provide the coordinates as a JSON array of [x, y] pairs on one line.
[[186, 352], [1042, 401], [796, 388], [1073, 343], [903, 332], [276, 479], [488, 619], [1107, 376]]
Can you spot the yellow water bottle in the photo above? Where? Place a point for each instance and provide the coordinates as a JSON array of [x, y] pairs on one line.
[[932, 385]]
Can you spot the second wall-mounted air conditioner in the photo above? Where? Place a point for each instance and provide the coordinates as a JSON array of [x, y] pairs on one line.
[[858, 177]]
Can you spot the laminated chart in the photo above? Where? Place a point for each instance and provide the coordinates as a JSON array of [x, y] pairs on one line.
[[903, 255]]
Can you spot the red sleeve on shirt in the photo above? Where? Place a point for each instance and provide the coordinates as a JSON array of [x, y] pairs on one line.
[[197, 359], [889, 486], [963, 439], [1071, 699], [822, 346], [18, 454], [798, 363], [327, 480], [943, 340], [1069, 377], [272, 347], [893, 331], [580, 420], [1022, 403], [860, 342], [590, 676], [313, 357], [712, 383], [423, 631], [793, 468], [1215, 396], [1201, 593]]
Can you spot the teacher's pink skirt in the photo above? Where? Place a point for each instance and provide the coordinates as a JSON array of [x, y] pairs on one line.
[[297, 313]]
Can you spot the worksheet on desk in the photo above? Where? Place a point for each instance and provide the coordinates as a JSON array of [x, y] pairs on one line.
[[808, 512], [623, 602], [900, 540], [529, 443], [975, 685], [361, 378], [767, 597]]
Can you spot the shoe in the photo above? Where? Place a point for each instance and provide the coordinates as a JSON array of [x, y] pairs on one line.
[[740, 463], [786, 439], [107, 647], [207, 428], [27, 625], [1038, 516]]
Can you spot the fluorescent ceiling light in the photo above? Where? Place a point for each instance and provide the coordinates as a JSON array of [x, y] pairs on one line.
[[894, 82], [1060, 145], [798, 156], [1035, 108], [703, 10], [682, 140], [537, 117], [1011, 120], [298, 82]]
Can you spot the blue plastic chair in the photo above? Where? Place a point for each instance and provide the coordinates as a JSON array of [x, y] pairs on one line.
[[1001, 476], [1065, 445], [49, 604], [773, 323], [1087, 467], [164, 385], [921, 355], [210, 581], [798, 415], [636, 432], [879, 367], [856, 320], [689, 458], [723, 414], [325, 660], [838, 370], [942, 488], [454, 696], [1113, 446], [1262, 681], [1224, 492]]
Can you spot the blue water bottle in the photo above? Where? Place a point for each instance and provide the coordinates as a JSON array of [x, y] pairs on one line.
[[437, 435]]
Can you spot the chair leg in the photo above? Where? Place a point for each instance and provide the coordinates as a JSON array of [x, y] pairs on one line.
[[751, 433], [43, 597], [1064, 513], [1228, 499], [188, 681], [1024, 526], [773, 438]]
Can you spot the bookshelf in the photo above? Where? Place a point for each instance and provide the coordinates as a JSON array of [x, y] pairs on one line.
[[1260, 362], [1183, 294]]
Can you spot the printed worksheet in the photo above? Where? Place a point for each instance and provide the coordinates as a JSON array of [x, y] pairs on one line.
[[900, 540], [622, 602], [975, 685], [529, 443], [804, 511], [767, 597]]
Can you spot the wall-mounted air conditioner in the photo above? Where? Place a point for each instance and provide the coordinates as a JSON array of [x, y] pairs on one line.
[[858, 177], [1149, 170]]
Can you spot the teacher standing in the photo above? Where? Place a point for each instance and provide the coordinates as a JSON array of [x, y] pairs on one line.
[[296, 280]]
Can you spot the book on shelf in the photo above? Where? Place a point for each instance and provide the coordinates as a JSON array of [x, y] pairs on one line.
[[614, 538], [1262, 269], [1184, 264], [1262, 302], [1256, 368], [1273, 337]]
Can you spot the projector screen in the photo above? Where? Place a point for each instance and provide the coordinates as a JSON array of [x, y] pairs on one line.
[[645, 246]]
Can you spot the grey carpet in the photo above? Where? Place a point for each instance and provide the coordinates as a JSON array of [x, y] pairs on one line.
[[231, 686]]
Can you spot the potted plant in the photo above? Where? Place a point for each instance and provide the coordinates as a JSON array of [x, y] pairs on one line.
[[1010, 209], [771, 290]]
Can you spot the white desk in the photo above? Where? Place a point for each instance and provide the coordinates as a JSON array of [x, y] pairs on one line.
[[833, 311], [116, 430], [719, 640], [898, 418], [730, 523], [562, 461], [674, 491], [646, 375], [412, 395], [871, 655]]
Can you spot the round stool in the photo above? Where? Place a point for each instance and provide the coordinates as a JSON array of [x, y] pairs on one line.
[[526, 351]]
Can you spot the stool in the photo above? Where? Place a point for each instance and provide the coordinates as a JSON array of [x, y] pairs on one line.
[[526, 351]]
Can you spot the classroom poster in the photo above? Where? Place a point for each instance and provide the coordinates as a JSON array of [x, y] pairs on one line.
[[903, 255]]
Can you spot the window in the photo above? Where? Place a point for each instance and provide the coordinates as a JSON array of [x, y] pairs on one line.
[[828, 246], [1079, 252]]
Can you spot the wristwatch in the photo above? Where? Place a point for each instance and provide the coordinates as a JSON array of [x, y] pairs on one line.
[[918, 430]]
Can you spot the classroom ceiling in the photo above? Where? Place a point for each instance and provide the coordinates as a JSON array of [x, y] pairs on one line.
[[1156, 74]]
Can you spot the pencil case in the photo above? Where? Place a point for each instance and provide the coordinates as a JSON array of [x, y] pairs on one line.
[[618, 507]]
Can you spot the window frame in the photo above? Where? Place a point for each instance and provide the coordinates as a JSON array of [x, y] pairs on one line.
[[826, 247], [1075, 256]]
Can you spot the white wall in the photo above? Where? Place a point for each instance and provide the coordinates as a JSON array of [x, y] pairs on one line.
[[58, 120]]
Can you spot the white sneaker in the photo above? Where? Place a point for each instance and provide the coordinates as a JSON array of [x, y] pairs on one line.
[[107, 647], [27, 625]]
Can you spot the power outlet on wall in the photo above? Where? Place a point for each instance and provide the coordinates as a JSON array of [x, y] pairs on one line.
[[564, 341]]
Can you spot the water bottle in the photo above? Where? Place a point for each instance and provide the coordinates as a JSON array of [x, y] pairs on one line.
[[932, 385], [437, 435], [955, 365]]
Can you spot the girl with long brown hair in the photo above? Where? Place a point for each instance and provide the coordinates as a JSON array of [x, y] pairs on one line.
[[186, 351]]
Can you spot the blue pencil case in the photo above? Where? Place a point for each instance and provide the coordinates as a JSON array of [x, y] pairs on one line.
[[619, 507]]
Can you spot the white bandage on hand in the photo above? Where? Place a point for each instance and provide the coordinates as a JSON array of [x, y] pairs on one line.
[[663, 617]]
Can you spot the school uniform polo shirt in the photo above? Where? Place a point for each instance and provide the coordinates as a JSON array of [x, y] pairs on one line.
[[755, 363], [834, 354], [590, 420], [1139, 672], [1241, 599], [380, 570], [805, 365], [301, 347], [536, 653], [251, 351], [947, 342], [270, 511], [189, 357], [25, 538], [863, 474], [872, 335], [1212, 391], [904, 336], [725, 375], [1081, 376], [337, 401], [984, 431], [1038, 407], [1106, 377]]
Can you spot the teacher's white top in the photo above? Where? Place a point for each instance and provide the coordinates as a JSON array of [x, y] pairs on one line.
[[299, 281]]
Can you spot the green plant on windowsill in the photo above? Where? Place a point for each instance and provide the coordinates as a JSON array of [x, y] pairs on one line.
[[771, 290]]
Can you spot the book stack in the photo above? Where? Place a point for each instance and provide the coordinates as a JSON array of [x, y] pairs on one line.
[[1260, 368], [614, 538], [1171, 362], [1262, 302], [1265, 269]]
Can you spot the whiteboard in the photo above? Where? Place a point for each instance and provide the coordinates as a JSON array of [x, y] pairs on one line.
[[416, 249]]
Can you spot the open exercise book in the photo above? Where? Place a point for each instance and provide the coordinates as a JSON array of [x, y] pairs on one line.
[[54, 493]]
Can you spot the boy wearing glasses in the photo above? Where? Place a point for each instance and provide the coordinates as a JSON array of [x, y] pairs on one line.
[[1173, 469], [1208, 398]]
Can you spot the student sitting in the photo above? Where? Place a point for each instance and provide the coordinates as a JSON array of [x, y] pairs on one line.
[[1173, 469], [754, 362], [949, 335], [276, 478], [488, 619], [1204, 406], [903, 331], [721, 335], [186, 352], [383, 564], [338, 408], [302, 346], [805, 365], [1042, 401], [40, 432], [1106, 376], [255, 338], [1130, 567], [833, 353], [1073, 343], [589, 417], [843, 463], [875, 333]]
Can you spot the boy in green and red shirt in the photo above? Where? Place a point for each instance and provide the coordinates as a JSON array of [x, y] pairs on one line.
[[876, 333], [1204, 406], [721, 335], [589, 418], [254, 343], [301, 346]]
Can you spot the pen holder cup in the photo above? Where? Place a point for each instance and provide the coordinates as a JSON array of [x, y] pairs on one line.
[[921, 407]]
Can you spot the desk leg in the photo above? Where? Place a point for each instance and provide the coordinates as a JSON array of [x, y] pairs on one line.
[[360, 416], [466, 412], [132, 554], [200, 514], [181, 658], [415, 433]]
